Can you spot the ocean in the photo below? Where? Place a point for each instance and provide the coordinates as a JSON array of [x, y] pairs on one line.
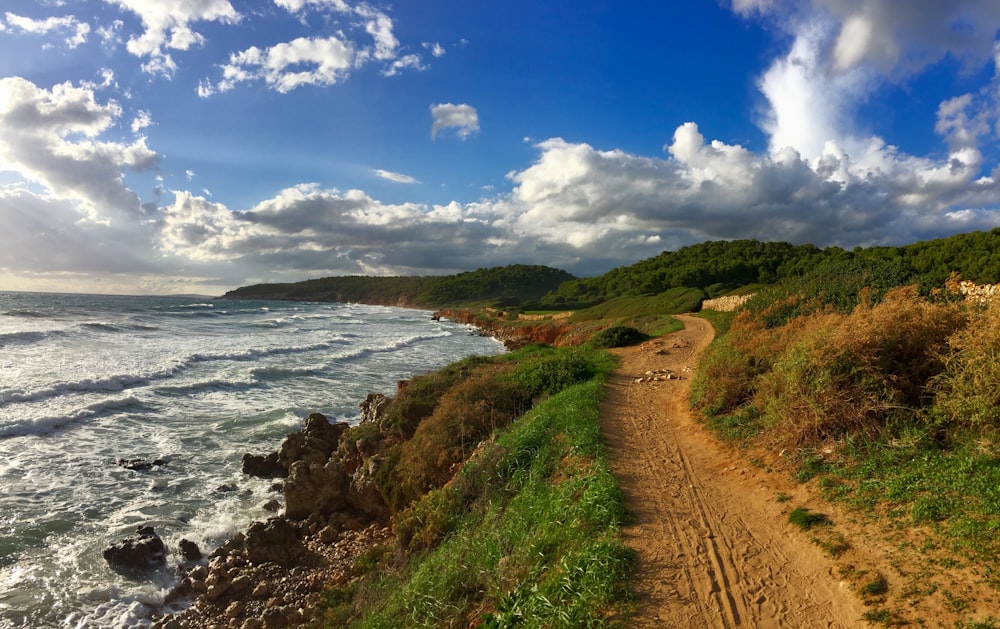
[[87, 380]]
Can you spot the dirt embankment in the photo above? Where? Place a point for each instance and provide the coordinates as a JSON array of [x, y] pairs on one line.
[[713, 545]]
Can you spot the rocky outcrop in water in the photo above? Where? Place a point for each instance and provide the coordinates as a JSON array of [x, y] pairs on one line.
[[139, 465], [137, 553]]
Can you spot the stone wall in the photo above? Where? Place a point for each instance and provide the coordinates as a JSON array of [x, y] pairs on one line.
[[980, 293], [728, 303]]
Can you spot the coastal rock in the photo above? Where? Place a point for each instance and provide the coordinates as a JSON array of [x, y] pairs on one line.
[[190, 550], [373, 407], [363, 493], [263, 466], [313, 444], [137, 553], [315, 488], [275, 541], [139, 465]]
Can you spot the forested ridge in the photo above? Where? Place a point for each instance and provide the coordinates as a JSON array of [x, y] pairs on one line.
[[508, 285], [715, 267], [720, 266]]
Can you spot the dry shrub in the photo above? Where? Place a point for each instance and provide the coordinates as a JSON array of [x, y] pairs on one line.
[[727, 375], [854, 374], [468, 413], [968, 391]]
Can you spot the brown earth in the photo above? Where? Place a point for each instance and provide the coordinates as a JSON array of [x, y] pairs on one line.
[[713, 548], [710, 526]]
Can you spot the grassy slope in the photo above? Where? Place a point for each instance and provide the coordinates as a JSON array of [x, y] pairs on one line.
[[527, 531]]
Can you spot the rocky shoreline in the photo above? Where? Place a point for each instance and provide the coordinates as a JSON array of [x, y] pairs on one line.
[[275, 573]]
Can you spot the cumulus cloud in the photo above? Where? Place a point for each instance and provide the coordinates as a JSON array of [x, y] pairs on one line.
[[168, 26], [319, 61], [463, 118], [843, 50], [395, 177], [586, 209], [717, 190], [285, 66], [306, 227], [51, 137], [76, 31], [902, 36]]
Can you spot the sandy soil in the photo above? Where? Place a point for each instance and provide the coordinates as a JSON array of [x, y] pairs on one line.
[[713, 545]]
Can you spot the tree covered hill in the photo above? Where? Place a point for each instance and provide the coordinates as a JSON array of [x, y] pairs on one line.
[[719, 266], [714, 267], [507, 286]]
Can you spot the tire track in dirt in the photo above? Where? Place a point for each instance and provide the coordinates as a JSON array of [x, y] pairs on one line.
[[711, 547]]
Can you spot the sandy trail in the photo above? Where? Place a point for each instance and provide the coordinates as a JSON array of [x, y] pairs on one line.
[[713, 545]]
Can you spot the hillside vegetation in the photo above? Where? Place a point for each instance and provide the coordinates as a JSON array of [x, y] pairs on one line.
[[718, 267], [884, 392], [526, 532]]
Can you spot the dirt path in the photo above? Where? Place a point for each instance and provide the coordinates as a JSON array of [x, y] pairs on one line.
[[713, 545]]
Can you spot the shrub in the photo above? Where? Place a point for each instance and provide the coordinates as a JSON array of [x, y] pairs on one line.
[[968, 390], [861, 373], [617, 336], [469, 412], [418, 400], [551, 371]]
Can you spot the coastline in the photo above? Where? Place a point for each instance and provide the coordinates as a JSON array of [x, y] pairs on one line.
[[274, 574]]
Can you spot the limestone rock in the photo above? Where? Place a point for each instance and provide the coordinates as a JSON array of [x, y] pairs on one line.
[[373, 407], [315, 488], [275, 541]]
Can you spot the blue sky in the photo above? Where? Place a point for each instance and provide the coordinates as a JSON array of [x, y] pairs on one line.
[[197, 145]]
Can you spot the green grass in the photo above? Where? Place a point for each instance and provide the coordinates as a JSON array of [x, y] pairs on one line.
[[806, 519], [956, 492], [673, 301], [720, 320], [533, 534]]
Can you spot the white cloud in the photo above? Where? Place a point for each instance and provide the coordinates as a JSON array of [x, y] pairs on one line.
[[716, 190], [436, 49], [76, 31], [808, 104], [843, 50], [167, 26], [142, 120], [901, 37], [747, 7], [463, 118], [51, 137], [405, 63], [320, 61], [325, 61], [395, 177], [295, 6], [379, 26]]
